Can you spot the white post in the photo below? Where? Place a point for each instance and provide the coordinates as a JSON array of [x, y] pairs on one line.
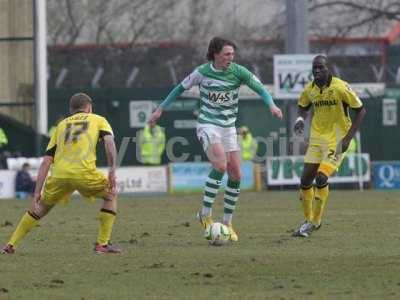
[[359, 161], [40, 33]]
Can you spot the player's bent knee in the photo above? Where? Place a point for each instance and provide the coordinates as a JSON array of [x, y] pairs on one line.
[[321, 179], [220, 167]]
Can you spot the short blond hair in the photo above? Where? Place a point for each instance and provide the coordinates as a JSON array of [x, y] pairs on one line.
[[79, 101]]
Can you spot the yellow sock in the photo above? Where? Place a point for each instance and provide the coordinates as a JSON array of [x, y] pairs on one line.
[[306, 198], [321, 197], [107, 218], [26, 224]]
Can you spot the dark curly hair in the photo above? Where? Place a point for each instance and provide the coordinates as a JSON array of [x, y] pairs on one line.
[[216, 45]]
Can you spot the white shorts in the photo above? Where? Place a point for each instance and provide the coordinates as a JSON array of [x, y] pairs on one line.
[[209, 134]]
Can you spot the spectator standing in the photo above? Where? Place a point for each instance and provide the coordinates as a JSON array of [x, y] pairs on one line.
[[152, 144], [3, 153], [24, 184], [248, 144]]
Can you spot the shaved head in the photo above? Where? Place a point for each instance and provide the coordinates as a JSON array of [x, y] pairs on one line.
[[320, 70], [79, 102], [320, 57]]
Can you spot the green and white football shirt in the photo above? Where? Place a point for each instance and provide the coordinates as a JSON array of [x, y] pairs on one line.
[[219, 92]]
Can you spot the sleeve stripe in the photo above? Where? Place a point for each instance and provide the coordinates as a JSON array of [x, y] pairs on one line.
[[103, 133], [357, 107], [51, 151]]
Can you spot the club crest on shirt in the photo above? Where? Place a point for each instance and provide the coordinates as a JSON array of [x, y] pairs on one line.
[[312, 94]]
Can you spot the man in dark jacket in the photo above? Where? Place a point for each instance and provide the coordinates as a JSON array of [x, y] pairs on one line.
[[24, 184]]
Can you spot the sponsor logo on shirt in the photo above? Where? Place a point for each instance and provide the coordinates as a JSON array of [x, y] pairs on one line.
[[219, 97], [325, 103]]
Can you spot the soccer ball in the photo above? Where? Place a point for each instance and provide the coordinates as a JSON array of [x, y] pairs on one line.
[[217, 234]]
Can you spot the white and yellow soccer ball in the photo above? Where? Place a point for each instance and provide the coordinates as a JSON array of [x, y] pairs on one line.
[[217, 234]]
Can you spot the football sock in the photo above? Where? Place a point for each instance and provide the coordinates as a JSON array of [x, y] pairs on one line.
[[321, 197], [306, 198], [26, 224], [107, 218], [231, 196], [213, 182]]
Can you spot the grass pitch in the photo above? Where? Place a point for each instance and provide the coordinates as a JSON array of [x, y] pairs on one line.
[[355, 255]]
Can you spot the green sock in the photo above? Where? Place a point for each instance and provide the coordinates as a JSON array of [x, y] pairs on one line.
[[231, 196], [213, 182]]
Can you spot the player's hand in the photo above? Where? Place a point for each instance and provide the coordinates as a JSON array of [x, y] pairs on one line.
[[112, 180], [155, 115], [299, 126], [275, 111]]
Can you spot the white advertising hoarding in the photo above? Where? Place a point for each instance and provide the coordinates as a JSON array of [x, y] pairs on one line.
[[141, 179], [293, 71], [291, 74], [190, 176], [389, 112], [139, 113], [129, 180], [7, 184]]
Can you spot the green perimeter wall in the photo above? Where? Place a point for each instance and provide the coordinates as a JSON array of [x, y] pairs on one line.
[[382, 142]]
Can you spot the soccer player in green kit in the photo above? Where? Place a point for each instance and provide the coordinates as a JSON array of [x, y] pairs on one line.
[[219, 81]]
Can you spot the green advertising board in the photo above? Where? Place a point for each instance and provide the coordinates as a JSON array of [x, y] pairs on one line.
[[286, 170]]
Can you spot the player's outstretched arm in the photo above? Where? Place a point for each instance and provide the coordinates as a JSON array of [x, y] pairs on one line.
[[111, 154], [41, 177], [177, 91], [191, 80], [257, 87], [255, 84], [267, 99]]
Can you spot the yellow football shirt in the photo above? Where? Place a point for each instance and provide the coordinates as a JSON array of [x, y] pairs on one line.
[[331, 120], [73, 145]]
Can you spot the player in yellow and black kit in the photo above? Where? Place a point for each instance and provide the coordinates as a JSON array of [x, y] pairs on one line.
[[71, 155], [330, 136]]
